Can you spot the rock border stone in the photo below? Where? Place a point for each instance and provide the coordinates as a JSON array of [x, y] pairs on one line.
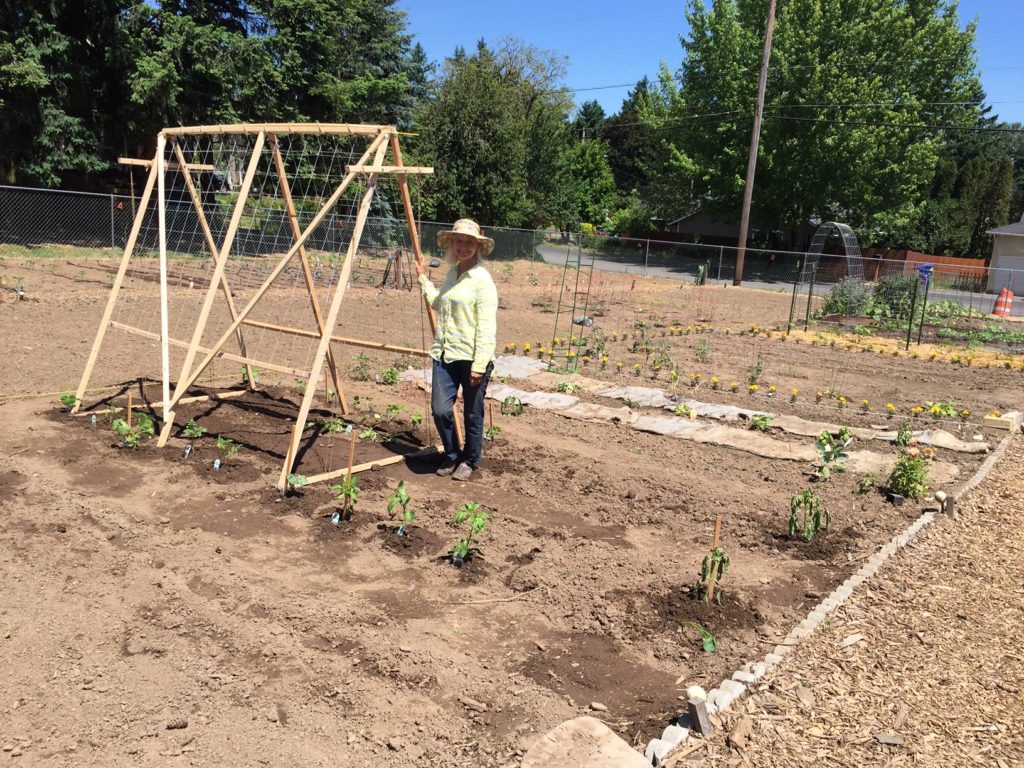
[[732, 688]]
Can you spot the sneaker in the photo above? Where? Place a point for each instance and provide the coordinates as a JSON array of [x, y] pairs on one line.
[[447, 467], [462, 472]]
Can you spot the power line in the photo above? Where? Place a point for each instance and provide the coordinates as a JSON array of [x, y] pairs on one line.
[[915, 126]]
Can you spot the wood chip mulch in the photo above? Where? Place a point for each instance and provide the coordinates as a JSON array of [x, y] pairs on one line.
[[923, 666]]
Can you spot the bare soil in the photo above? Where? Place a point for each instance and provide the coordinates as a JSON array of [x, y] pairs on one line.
[[142, 590]]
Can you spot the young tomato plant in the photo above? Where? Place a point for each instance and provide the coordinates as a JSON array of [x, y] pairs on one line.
[[761, 422], [715, 562], [707, 640], [347, 492], [131, 436], [491, 432], [228, 448], [389, 376], [808, 515], [465, 548], [832, 453], [68, 400], [909, 476], [904, 435], [567, 387], [399, 498], [511, 406]]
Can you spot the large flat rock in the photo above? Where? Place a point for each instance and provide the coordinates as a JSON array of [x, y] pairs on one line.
[[582, 743]]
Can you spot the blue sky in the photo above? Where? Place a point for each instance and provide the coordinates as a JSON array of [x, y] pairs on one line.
[[615, 43]]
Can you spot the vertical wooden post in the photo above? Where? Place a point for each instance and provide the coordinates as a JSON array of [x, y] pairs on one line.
[[713, 575], [115, 289], [332, 318], [197, 203], [414, 238], [218, 273], [307, 274], [161, 207]]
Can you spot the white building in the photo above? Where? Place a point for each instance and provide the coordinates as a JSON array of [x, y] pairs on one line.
[[1007, 258]]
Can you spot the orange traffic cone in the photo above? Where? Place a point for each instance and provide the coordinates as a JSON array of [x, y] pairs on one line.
[[1004, 304]]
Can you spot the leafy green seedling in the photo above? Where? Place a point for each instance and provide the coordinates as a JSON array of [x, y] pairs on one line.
[[832, 454], [511, 406], [389, 376], [295, 482], [904, 435], [715, 562], [399, 498], [228, 448], [370, 434], [761, 422], [684, 410], [132, 435], [568, 387], [68, 400], [416, 419], [808, 515], [465, 548], [865, 485], [491, 432], [301, 384], [192, 430], [347, 492], [707, 640], [909, 476]]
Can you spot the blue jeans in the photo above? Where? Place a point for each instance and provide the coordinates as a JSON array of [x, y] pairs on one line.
[[447, 378]]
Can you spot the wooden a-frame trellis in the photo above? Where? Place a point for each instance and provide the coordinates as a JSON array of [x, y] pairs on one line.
[[369, 165]]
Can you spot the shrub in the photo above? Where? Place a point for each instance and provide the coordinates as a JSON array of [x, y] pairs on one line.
[[893, 296], [909, 477], [848, 297]]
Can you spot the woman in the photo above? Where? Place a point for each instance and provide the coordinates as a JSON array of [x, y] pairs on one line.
[[463, 348]]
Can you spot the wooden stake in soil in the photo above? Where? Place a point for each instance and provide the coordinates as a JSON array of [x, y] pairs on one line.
[[713, 570], [129, 418], [348, 472], [490, 415]]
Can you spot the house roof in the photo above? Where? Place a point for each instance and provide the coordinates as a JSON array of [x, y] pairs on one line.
[[1009, 229]]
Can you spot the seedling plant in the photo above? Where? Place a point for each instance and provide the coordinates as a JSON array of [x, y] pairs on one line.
[[808, 515], [465, 548], [193, 432], [399, 498], [492, 432], [228, 449], [347, 492], [511, 406], [707, 640], [832, 453], [716, 562], [131, 436], [909, 476], [761, 422], [68, 400]]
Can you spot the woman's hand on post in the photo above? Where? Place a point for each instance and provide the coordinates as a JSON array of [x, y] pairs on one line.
[[420, 264]]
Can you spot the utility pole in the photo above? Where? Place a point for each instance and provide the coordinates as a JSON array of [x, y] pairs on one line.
[[755, 140]]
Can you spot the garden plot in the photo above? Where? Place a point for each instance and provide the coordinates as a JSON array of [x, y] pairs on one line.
[[151, 589]]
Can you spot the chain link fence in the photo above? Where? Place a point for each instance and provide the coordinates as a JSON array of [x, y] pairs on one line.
[[911, 300]]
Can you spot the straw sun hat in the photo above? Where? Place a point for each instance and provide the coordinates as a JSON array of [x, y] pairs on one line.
[[466, 227]]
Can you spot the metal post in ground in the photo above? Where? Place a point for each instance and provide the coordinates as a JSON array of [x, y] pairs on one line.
[[721, 248], [810, 297], [924, 307], [913, 307], [647, 254], [792, 303], [113, 244]]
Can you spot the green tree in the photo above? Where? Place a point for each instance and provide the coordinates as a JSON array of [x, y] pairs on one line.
[[850, 87], [494, 133], [630, 139], [586, 183], [589, 120]]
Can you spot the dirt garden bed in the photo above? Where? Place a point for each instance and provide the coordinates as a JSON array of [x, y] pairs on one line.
[[188, 593]]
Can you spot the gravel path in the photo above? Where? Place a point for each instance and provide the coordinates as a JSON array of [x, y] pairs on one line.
[[924, 666]]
